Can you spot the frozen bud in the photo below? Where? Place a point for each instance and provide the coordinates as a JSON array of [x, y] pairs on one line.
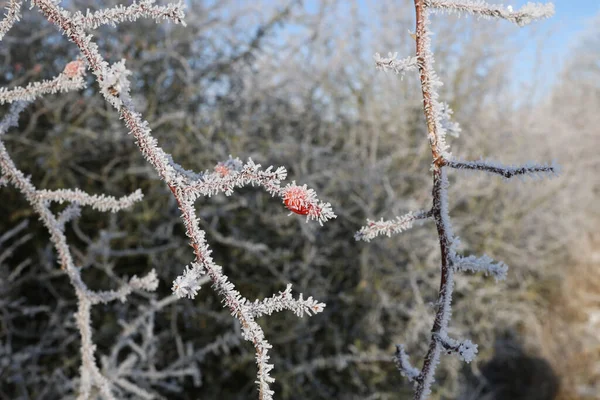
[[74, 69], [222, 169]]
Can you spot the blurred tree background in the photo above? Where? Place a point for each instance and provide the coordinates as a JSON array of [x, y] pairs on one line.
[[294, 84]]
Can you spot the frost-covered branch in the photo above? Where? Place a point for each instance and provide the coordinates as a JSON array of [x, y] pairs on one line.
[[484, 264], [381, 227], [528, 13], [466, 350], [285, 301], [100, 202], [233, 174], [90, 374], [186, 186], [507, 171], [69, 80], [391, 63], [142, 9], [439, 123], [13, 14], [403, 364]]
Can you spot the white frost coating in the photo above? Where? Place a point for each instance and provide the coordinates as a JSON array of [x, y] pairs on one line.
[[391, 63], [285, 301], [142, 9], [528, 13], [484, 264], [438, 111], [115, 85], [528, 170], [187, 284], [403, 363], [465, 349], [148, 283], [381, 227], [90, 373], [97, 202], [13, 14], [61, 84], [452, 127]]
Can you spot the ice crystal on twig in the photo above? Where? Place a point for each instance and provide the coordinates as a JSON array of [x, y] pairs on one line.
[[97, 202], [403, 364], [483, 264], [187, 284], [381, 227], [391, 63], [285, 301], [69, 80], [525, 15], [13, 14], [40, 201], [466, 350], [142, 9], [507, 171]]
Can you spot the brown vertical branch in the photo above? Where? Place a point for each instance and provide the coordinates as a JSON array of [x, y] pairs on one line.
[[424, 70], [446, 280]]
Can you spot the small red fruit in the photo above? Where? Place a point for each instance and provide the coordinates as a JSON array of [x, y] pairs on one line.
[[296, 200]]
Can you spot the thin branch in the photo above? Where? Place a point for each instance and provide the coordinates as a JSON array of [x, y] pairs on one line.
[[465, 349], [99, 202], [530, 12], [484, 264], [65, 82], [142, 9], [381, 227], [13, 14], [404, 366], [507, 171], [391, 63], [285, 301]]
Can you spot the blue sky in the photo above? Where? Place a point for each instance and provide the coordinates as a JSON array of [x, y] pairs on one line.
[[572, 19], [542, 59]]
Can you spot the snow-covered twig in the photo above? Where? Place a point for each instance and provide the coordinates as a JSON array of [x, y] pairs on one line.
[[142, 9], [285, 301], [403, 364], [391, 63], [526, 14], [484, 264], [13, 14], [507, 171], [97, 202], [381, 227], [69, 80]]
